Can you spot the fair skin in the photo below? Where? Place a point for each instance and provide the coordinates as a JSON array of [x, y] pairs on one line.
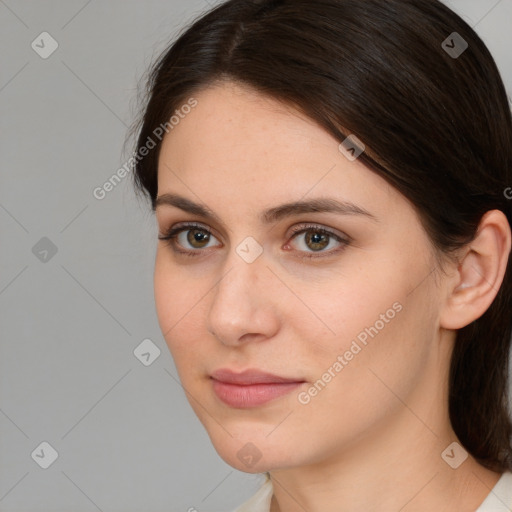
[[372, 438]]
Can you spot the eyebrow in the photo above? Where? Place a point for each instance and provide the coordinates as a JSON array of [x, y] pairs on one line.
[[321, 204]]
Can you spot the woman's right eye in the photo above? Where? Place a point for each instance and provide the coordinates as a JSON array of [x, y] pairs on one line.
[[190, 237]]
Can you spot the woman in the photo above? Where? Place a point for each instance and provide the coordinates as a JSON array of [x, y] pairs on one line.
[[333, 276]]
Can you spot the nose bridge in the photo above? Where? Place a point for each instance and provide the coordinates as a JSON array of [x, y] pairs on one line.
[[246, 266], [238, 287], [241, 301]]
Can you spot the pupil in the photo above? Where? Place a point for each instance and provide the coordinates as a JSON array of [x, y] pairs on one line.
[[197, 236], [316, 239]]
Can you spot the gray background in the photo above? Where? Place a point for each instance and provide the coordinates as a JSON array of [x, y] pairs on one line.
[[126, 438]]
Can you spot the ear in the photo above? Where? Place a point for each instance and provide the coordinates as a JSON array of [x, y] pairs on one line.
[[479, 274]]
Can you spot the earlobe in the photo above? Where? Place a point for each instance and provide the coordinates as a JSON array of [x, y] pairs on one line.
[[479, 274]]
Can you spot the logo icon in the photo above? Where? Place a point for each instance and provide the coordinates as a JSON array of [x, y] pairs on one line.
[[249, 249], [45, 455], [454, 45], [351, 147], [249, 454], [44, 250], [147, 352], [44, 45], [454, 455]]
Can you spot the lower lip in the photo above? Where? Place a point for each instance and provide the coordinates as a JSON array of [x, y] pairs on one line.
[[253, 395]]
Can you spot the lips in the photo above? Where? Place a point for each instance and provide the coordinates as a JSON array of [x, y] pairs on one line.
[[250, 388]]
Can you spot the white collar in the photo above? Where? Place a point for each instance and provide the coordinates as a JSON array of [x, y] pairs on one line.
[[498, 500], [259, 502]]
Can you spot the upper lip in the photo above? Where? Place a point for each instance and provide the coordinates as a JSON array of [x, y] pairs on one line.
[[251, 376]]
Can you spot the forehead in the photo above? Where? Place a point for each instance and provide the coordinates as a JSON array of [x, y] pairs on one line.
[[234, 126], [237, 144], [235, 114]]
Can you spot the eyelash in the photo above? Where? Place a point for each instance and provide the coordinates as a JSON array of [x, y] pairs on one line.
[[170, 236]]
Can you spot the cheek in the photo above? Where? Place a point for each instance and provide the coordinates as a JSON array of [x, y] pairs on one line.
[[355, 307], [370, 321], [381, 348], [176, 299], [166, 290], [181, 299]]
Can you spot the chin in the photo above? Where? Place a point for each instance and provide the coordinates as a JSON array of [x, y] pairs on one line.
[[254, 454]]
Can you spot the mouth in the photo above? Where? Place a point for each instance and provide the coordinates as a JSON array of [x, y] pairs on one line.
[[250, 388]]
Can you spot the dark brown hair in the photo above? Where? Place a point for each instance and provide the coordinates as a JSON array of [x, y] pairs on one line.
[[437, 127]]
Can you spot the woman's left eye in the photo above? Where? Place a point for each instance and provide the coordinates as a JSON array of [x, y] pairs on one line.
[[317, 240]]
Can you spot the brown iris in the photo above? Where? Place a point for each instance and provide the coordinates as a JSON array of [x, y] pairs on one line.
[[197, 236], [319, 240]]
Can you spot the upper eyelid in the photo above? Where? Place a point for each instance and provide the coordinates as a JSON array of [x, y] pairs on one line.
[[179, 227], [307, 226]]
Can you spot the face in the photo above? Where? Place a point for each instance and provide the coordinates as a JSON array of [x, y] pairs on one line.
[[293, 329]]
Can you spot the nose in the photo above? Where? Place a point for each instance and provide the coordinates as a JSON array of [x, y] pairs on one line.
[[244, 304]]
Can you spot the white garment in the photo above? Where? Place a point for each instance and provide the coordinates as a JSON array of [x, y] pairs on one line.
[[498, 500]]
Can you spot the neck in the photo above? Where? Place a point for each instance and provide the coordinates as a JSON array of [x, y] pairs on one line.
[[396, 466]]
